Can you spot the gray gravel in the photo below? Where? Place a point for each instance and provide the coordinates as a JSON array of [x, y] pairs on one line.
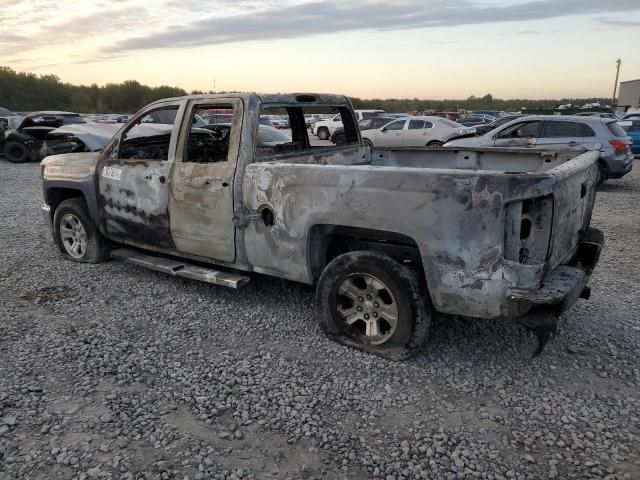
[[114, 372]]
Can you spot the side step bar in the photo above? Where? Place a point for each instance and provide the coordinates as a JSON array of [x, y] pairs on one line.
[[179, 268]]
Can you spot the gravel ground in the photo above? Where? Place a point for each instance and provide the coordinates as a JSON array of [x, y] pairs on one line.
[[114, 372]]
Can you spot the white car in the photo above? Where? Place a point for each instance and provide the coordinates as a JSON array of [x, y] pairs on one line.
[[325, 128], [416, 132]]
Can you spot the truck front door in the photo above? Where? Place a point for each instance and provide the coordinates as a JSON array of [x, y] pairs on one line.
[[133, 177], [201, 200]]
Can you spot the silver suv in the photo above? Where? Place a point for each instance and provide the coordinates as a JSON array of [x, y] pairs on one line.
[[563, 133]]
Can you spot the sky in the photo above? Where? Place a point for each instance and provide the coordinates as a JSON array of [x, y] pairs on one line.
[[368, 48]]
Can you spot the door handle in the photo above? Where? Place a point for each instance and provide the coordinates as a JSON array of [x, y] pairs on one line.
[[573, 143]]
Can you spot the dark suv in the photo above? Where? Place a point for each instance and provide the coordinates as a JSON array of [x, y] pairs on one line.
[[25, 134]]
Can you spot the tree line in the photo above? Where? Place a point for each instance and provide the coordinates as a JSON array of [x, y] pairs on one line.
[[27, 92]]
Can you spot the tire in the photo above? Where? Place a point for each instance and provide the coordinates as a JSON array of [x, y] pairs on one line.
[[340, 139], [435, 143], [602, 175], [76, 235], [16, 152], [359, 294], [323, 133], [367, 143]]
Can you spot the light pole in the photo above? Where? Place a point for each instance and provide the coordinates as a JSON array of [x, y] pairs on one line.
[[615, 86]]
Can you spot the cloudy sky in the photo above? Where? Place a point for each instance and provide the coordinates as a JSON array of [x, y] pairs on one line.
[[365, 48]]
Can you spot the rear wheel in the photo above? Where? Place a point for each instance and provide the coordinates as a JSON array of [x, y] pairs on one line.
[[323, 133], [16, 152], [369, 301], [340, 138], [435, 143], [76, 235], [367, 143]]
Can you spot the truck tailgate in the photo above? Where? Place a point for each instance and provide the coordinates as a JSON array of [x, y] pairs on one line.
[[573, 197]]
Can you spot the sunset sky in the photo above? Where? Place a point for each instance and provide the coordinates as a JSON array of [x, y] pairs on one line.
[[369, 48]]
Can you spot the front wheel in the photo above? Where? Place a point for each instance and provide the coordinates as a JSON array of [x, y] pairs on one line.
[[435, 143], [367, 143], [76, 235], [16, 152], [369, 301]]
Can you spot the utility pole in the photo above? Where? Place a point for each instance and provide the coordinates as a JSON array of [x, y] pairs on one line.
[[615, 86]]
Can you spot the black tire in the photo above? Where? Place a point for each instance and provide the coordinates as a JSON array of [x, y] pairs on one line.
[[402, 286], [435, 143], [16, 152], [340, 139], [323, 133], [602, 175], [96, 247], [367, 143]]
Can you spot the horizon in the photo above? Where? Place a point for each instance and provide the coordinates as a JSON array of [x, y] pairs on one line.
[[513, 49]]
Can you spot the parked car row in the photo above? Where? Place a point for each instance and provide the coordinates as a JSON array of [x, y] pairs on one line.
[[616, 141], [550, 132], [33, 136]]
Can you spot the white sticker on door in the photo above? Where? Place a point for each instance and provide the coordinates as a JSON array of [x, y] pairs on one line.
[[111, 172]]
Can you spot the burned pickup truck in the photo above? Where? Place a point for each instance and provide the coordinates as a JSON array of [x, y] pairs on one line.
[[390, 237]]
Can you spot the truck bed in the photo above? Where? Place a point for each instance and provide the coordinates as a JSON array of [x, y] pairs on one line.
[[465, 215], [509, 160]]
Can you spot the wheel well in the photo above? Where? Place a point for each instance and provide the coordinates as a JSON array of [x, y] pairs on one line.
[[604, 166], [55, 196], [326, 242]]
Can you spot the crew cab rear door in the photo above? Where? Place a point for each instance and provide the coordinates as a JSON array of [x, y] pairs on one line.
[[133, 177], [201, 197]]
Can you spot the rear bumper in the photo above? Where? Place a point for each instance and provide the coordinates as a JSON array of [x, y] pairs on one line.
[[561, 287], [618, 166]]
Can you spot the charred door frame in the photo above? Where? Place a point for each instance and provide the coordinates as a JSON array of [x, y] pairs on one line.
[[201, 195], [143, 228]]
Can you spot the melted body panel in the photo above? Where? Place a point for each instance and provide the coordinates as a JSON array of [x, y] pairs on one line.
[[455, 216]]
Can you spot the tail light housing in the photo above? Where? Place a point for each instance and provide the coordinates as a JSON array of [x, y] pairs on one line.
[[619, 145], [528, 230]]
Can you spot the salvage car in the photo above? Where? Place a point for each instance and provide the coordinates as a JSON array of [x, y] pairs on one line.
[[426, 131], [81, 137], [338, 136], [26, 134], [579, 133], [390, 237], [4, 126]]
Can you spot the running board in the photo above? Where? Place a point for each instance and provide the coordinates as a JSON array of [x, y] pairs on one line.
[[179, 268]]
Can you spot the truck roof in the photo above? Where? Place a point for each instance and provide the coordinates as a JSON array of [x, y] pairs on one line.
[[284, 98]]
